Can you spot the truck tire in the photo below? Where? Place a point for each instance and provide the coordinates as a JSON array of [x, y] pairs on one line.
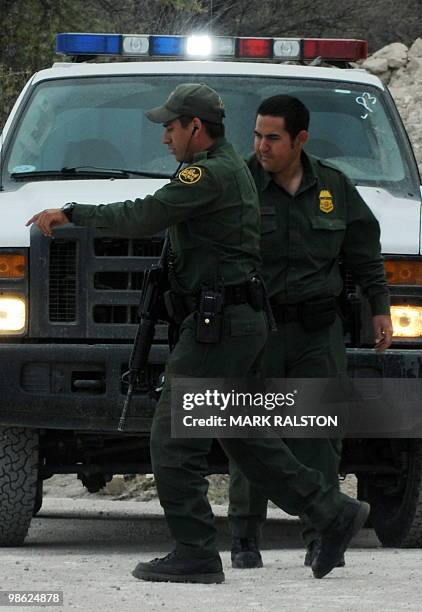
[[38, 497], [18, 483], [397, 518]]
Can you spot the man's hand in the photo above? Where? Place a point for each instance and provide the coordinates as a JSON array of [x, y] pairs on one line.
[[48, 219], [383, 332]]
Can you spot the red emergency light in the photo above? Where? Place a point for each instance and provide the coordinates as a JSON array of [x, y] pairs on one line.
[[255, 48], [334, 49]]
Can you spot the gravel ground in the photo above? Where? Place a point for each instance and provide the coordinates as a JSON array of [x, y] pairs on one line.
[[87, 549], [142, 488]]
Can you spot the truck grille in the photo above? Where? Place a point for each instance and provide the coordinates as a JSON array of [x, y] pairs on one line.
[[62, 281], [88, 286], [350, 287]]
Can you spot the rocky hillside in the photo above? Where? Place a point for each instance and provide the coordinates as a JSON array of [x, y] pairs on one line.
[[400, 67]]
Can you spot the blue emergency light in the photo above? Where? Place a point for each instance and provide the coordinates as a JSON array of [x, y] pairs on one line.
[[89, 44], [167, 46]]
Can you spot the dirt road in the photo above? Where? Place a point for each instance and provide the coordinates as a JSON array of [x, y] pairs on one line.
[[87, 549]]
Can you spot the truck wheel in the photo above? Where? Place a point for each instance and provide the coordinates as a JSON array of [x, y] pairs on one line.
[[18, 482], [38, 497], [396, 511]]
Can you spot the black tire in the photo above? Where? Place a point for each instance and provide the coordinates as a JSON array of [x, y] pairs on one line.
[[397, 515], [18, 482], [38, 497]]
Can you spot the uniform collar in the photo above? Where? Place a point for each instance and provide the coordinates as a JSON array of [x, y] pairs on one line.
[[217, 144], [265, 178]]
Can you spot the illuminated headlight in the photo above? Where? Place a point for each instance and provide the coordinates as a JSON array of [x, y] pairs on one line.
[[12, 315], [407, 321], [199, 46]]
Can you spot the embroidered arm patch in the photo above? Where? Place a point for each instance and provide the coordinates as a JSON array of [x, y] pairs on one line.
[[190, 175]]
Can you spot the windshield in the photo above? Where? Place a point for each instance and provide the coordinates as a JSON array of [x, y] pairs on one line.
[[100, 122]]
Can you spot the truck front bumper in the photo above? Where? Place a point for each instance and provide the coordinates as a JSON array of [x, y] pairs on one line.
[[394, 363], [79, 387], [70, 386]]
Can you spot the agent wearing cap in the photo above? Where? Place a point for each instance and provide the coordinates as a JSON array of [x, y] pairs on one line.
[[212, 212]]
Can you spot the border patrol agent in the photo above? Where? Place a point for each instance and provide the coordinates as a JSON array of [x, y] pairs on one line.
[[311, 215], [212, 212]]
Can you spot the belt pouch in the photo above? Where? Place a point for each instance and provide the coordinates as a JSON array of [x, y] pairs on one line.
[[209, 317]]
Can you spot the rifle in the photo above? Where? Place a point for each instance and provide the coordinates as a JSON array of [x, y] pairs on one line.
[[152, 287]]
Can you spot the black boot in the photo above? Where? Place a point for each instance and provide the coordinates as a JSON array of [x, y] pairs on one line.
[[245, 553], [176, 568], [336, 538], [312, 551]]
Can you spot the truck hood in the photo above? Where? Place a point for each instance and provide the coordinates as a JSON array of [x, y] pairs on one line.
[[399, 218], [29, 198]]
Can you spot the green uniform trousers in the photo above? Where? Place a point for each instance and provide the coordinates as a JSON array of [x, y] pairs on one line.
[[180, 465], [292, 352]]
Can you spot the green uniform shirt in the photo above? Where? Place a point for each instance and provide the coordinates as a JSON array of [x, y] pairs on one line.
[[212, 210], [305, 235]]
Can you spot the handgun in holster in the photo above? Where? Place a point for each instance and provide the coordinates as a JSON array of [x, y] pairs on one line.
[[259, 300]]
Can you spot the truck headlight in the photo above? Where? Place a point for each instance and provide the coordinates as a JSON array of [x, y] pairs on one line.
[[407, 321], [12, 315]]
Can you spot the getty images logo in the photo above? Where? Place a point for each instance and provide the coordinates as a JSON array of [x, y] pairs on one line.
[[235, 399]]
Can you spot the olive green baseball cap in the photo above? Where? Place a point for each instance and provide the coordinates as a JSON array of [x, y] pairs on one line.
[[190, 100]]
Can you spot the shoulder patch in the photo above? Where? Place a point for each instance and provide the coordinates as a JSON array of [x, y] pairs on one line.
[[190, 175]]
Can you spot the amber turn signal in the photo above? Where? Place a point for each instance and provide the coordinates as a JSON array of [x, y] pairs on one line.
[[403, 272], [12, 265]]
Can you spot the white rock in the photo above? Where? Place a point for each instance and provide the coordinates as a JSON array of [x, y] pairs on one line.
[[376, 65], [396, 54], [414, 65], [416, 49]]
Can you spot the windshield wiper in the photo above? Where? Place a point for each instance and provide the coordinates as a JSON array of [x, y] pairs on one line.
[[85, 172], [119, 171], [69, 173]]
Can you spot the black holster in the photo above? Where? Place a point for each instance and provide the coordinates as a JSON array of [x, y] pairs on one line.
[[175, 307]]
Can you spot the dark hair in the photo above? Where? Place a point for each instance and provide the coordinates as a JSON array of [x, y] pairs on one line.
[[293, 111], [214, 130]]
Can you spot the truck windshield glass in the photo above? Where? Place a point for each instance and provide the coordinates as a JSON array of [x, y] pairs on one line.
[[100, 122]]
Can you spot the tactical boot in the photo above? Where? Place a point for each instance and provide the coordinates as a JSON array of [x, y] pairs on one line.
[[336, 538], [312, 551], [176, 568], [245, 553]]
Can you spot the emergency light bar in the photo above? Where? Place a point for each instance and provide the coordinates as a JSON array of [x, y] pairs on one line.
[[203, 46]]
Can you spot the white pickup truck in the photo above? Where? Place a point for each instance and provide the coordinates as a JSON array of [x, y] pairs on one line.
[[68, 306]]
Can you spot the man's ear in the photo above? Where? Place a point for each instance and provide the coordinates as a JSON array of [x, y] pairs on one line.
[[302, 137], [196, 125]]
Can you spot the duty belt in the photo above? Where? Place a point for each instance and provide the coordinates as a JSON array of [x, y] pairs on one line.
[[313, 314], [284, 313], [233, 295]]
